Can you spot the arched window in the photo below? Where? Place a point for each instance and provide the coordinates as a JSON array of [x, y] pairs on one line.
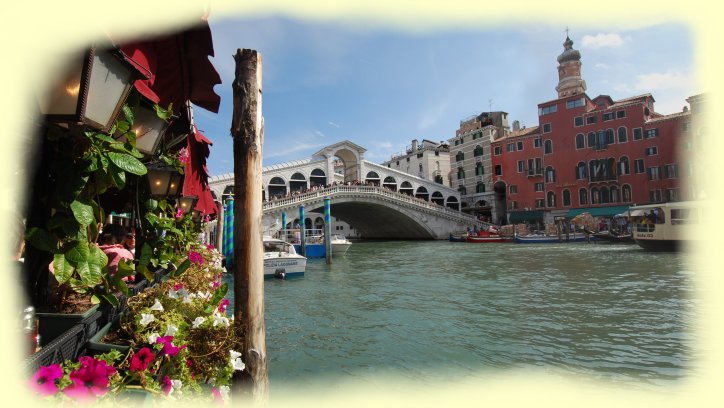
[[461, 173], [479, 169], [478, 151], [452, 202], [548, 147], [437, 198], [581, 171], [626, 193], [614, 195], [580, 141], [373, 178], [592, 140], [317, 178], [595, 196], [550, 174], [622, 135], [605, 198], [551, 199], [420, 166], [623, 166], [422, 193], [460, 156], [480, 187], [610, 137], [406, 188], [298, 182], [390, 183], [277, 187], [566, 197], [583, 197]]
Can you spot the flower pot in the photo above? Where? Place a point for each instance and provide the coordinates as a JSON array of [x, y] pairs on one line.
[[52, 325], [96, 346]]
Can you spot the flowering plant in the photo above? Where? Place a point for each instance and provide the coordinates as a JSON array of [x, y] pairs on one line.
[[182, 342]]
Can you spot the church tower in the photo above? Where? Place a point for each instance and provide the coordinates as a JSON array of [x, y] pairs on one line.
[[569, 71]]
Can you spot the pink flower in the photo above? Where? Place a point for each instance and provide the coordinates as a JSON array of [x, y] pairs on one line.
[[209, 246], [179, 213], [90, 380], [142, 359], [178, 286], [216, 284], [183, 155], [189, 363], [206, 218], [168, 348], [44, 382], [196, 257], [167, 385], [217, 396], [222, 306]]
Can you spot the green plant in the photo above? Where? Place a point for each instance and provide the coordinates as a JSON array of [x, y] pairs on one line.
[[87, 166]]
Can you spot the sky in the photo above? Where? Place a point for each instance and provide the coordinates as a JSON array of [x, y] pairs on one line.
[[383, 86]]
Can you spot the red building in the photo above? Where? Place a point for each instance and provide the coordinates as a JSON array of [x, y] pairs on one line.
[[597, 155]]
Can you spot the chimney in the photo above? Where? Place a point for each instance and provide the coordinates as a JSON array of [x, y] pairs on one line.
[[414, 145], [516, 125], [686, 109]]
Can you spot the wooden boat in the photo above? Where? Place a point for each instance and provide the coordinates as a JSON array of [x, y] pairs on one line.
[[484, 237], [457, 237], [550, 239], [612, 237]]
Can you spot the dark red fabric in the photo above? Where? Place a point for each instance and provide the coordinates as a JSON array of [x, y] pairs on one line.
[[196, 175], [178, 68]]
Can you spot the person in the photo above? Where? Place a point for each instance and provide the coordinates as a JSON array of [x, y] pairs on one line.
[[130, 243], [111, 243]]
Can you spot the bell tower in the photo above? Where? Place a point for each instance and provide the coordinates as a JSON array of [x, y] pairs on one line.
[[569, 71]]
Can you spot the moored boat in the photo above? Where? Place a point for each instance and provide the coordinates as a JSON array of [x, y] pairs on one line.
[[281, 259], [613, 237], [550, 239], [483, 237], [665, 226], [458, 237], [340, 244]]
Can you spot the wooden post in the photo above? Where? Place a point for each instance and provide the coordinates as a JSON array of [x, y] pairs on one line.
[[220, 227], [328, 230], [247, 131]]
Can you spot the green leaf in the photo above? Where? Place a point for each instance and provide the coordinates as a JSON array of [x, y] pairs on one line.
[[145, 257], [163, 205], [42, 239], [128, 113], [93, 164], [216, 299], [111, 299], [162, 113], [82, 212], [128, 163], [95, 300], [118, 176], [105, 138], [63, 269], [151, 204], [125, 268], [78, 253], [123, 126], [181, 268]]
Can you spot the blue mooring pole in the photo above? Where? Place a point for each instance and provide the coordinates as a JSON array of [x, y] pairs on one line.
[[284, 226], [327, 230], [302, 233]]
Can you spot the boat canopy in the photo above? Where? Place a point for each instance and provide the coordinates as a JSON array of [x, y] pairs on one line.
[[598, 211]]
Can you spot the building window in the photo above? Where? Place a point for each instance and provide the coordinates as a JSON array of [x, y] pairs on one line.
[[478, 151], [626, 193], [607, 116], [498, 170], [623, 168], [591, 140], [538, 187], [546, 128], [595, 196], [535, 167], [537, 142], [497, 151], [547, 109], [539, 203], [510, 147], [461, 174], [550, 174], [581, 171], [408, 159], [419, 155], [591, 120], [651, 151], [686, 126], [609, 137], [637, 135], [551, 199], [521, 166], [583, 197], [462, 190], [460, 156], [513, 205], [580, 141], [622, 136], [605, 198], [480, 187], [652, 133], [578, 121], [575, 103], [519, 146], [548, 147], [639, 166], [614, 195], [672, 194], [620, 114], [479, 169], [566, 198], [513, 189], [655, 196], [654, 173], [671, 171]]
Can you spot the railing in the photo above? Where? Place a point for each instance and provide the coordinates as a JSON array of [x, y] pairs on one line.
[[373, 191]]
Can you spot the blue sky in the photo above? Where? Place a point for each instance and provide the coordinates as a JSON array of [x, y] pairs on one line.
[[381, 86]]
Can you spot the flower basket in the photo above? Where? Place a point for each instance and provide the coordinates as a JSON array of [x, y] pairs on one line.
[[52, 325], [96, 346]]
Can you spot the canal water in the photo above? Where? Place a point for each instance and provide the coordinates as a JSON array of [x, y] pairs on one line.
[[422, 311]]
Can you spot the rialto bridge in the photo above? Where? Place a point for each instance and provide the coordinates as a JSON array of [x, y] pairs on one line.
[[378, 201]]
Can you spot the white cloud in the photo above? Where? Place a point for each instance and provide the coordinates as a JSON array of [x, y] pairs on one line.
[[656, 81], [602, 40], [333, 124], [601, 65], [318, 133]]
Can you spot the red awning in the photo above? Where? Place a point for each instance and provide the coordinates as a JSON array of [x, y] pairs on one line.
[[196, 176], [177, 68]]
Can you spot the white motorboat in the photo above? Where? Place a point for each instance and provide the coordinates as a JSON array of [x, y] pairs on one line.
[[281, 259], [340, 244]]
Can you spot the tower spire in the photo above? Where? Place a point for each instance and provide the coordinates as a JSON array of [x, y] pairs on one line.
[[569, 70]]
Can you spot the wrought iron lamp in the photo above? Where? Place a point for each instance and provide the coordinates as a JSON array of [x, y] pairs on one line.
[[163, 181]]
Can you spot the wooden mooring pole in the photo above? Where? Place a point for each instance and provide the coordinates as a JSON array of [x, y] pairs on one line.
[[247, 131]]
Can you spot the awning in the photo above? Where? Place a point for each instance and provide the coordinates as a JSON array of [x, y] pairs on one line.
[[196, 175], [519, 216], [598, 211]]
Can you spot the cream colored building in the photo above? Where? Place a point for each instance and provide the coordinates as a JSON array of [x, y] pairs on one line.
[[427, 160]]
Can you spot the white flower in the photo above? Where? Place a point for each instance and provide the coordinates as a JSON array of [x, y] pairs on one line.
[[172, 294], [234, 354], [152, 338], [157, 306], [176, 384], [186, 299], [221, 320], [171, 330], [198, 322], [225, 392], [236, 362], [146, 319], [182, 292]]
